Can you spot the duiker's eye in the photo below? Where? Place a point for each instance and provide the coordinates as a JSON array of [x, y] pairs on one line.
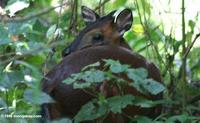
[[66, 52], [97, 37]]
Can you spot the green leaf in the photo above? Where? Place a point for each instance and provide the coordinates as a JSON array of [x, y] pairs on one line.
[[137, 85], [31, 96], [81, 85], [137, 74], [115, 66], [21, 47], [36, 60], [118, 68], [51, 31], [38, 32], [3, 31], [143, 119], [189, 36], [147, 85], [5, 41], [2, 102], [16, 28], [90, 112], [69, 80], [64, 120], [177, 46], [101, 99], [74, 79], [45, 98], [192, 24], [182, 118], [109, 61], [153, 86], [145, 103], [16, 6], [93, 76], [117, 103], [10, 79], [4, 35]]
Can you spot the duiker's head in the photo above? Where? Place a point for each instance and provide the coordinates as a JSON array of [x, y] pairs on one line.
[[101, 30]]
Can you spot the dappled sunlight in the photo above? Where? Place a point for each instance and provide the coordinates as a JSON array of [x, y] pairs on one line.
[[169, 14]]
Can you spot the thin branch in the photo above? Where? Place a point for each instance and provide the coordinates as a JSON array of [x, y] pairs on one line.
[[184, 64], [102, 4], [148, 34], [143, 48], [28, 17], [73, 19], [7, 54], [190, 46], [36, 50]]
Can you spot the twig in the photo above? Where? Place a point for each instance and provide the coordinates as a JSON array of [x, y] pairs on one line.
[[148, 34], [73, 19], [102, 4], [41, 48], [28, 17], [101, 9], [182, 70], [143, 48], [7, 54], [190, 46]]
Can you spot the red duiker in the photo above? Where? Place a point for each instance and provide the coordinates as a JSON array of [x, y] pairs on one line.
[[107, 31]]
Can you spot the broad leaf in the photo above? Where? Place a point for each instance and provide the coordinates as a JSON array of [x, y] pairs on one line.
[[81, 85], [143, 119], [51, 32], [137, 74], [90, 112], [182, 118], [16, 28], [4, 35], [93, 76], [153, 86], [37, 98], [117, 103], [64, 120], [145, 103], [115, 66], [16, 6], [69, 80]]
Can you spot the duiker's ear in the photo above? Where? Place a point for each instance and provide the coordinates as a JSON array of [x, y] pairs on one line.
[[89, 15], [124, 21]]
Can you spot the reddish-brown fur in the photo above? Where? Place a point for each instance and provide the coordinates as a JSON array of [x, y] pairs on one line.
[[85, 50], [69, 100]]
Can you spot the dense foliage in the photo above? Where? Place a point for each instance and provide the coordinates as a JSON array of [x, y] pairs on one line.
[[102, 106], [34, 32]]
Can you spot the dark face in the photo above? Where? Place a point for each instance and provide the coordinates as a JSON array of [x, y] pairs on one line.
[[99, 31]]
